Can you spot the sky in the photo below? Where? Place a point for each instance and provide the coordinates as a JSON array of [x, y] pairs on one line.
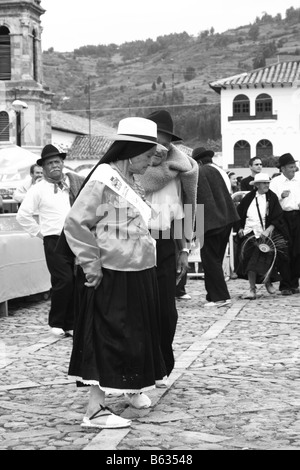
[[70, 24]]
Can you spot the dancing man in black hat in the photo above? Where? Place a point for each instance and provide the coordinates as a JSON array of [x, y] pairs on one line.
[[170, 185], [51, 199]]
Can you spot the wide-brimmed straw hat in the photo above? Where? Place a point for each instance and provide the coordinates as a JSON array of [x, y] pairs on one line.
[[50, 151], [136, 129], [260, 178]]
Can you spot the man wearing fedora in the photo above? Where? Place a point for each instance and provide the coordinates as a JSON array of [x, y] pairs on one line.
[[287, 188], [51, 199], [219, 216], [170, 185], [204, 156]]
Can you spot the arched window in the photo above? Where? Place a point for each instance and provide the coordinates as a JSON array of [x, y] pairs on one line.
[[241, 107], [34, 55], [5, 61], [242, 153], [4, 126], [263, 106], [264, 148]]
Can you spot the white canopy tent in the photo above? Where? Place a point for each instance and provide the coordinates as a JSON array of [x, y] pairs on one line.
[[15, 163]]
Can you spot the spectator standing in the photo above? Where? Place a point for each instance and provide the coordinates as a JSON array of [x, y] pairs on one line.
[[219, 216], [287, 188], [170, 186], [234, 185], [51, 198], [261, 224], [36, 174], [116, 344], [255, 165]]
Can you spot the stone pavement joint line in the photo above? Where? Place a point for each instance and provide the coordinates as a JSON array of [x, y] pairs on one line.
[[109, 438]]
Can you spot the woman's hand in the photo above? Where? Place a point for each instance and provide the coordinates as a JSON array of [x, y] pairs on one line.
[[182, 265], [241, 233], [93, 280], [268, 232]]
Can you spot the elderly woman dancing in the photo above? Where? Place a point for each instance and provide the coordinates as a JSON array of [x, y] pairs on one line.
[[116, 344], [262, 236]]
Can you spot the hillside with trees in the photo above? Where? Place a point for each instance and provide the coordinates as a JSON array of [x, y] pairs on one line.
[[132, 79]]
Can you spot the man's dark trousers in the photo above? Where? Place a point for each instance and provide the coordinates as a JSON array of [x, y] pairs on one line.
[[61, 270], [212, 256], [166, 277]]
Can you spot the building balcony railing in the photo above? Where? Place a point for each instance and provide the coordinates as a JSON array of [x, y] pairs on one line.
[[247, 117]]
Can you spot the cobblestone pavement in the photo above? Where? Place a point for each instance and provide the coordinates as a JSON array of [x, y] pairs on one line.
[[236, 384]]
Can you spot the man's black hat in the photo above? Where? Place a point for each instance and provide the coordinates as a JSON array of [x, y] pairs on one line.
[[201, 152], [285, 159], [50, 151], [164, 123]]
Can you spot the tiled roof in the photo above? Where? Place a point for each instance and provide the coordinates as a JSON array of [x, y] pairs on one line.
[[76, 124], [184, 149], [279, 74], [88, 148]]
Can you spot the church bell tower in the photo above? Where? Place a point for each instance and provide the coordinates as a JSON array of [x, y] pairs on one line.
[[25, 105]]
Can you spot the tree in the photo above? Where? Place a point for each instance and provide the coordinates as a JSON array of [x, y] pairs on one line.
[[153, 86], [189, 74], [259, 61], [253, 32], [290, 14]]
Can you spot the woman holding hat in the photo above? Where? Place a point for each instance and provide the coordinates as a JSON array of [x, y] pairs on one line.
[[261, 233], [116, 336]]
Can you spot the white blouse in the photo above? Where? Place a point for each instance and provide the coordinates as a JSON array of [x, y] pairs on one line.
[[104, 230], [253, 223]]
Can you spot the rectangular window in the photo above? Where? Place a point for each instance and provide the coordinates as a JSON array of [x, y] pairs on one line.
[[268, 107], [5, 72]]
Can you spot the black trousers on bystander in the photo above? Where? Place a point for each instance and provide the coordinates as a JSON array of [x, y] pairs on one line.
[[61, 268]]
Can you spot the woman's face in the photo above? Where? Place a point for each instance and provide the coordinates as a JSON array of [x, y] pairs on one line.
[[140, 163], [233, 181]]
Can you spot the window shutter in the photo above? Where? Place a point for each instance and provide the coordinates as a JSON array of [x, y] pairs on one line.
[[4, 127], [5, 54]]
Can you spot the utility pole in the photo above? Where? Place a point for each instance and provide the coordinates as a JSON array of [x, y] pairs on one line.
[[87, 91], [172, 88], [90, 122]]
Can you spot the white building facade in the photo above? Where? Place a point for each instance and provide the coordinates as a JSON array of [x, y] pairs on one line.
[[260, 113]]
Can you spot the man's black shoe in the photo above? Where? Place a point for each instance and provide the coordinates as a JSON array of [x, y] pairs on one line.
[[286, 292]]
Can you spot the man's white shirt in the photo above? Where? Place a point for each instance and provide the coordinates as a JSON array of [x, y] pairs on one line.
[[52, 209], [279, 184]]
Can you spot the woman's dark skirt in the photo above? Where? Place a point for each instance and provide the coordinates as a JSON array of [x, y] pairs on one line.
[[251, 258], [117, 332]]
